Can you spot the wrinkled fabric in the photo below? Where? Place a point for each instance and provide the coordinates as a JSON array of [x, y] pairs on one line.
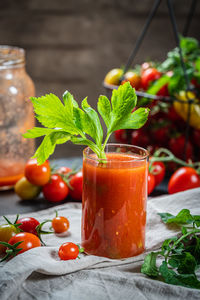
[[40, 274]]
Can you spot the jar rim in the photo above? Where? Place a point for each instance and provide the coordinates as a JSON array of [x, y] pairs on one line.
[[11, 56], [140, 156]]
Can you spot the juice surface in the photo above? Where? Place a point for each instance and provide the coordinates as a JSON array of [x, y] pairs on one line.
[[114, 206]]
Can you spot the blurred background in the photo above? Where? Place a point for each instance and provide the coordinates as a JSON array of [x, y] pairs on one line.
[[73, 44]]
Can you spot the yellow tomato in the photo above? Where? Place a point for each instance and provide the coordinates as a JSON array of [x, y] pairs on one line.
[[182, 108], [26, 190], [113, 76], [133, 78]]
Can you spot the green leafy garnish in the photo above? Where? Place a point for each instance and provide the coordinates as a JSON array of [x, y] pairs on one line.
[[64, 121], [181, 254]]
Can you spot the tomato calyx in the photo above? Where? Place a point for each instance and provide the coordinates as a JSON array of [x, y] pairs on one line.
[[15, 224], [40, 231], [67, 177], [11, 251]]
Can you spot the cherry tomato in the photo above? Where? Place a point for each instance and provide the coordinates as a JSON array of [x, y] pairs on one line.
[[146, 65], [158, 171], [76, 182], [63, 170], [26, 190], [60, 224], [133, 78], [172, 115], [151, 183], [56, 189], [148, 76], [163, 91], [28, 240], [139, 138], [176, 145], [68, 251], [184, 178], [113, 76], [38, 175], [6, 232], [28, 224], [161, 135], [120, 135]]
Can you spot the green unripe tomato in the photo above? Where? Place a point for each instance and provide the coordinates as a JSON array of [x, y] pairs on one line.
[[113, 76], [25, 190]]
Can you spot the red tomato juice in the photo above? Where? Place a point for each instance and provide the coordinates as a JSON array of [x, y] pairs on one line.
[[114, 205]]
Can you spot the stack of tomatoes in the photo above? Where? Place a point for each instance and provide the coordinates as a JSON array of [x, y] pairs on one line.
[[55, 186]]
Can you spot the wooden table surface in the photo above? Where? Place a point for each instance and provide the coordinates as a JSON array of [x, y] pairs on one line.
[[11, 204]]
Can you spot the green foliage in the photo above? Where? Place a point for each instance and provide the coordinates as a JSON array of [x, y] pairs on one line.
[[181, 254], [65, 121]]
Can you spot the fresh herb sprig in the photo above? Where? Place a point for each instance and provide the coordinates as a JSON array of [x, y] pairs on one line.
[[180, 255], [64, 121]]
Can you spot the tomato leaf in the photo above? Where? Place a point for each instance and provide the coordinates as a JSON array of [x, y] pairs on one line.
[[149, 265], [183, 217], [104, 108]]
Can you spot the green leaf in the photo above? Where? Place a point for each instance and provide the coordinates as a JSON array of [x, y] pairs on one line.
[[158, 85], [94, 119], [51, 113], [135, 120], [149, 265], [183, 217], [104, 108], [171, 277], [48, 144], [187, 263], [196, 219], [82, 121], [37, 132], [86, 142], [69, 100], [123, 102], [188, 44]]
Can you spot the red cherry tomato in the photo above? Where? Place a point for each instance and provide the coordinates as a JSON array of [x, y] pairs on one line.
[[158, 171], [76, 182], [184, 178], [60, 224], [196, 137], [163, 91], [63, 170], [161, 135], [151, 183], [139, 138], [176, 145], [148, 76], [37, 175], [28, 224], [56, 189], [28, 240], [68, 251], [120, 135]]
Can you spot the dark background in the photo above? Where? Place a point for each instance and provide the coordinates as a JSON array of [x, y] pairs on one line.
[[72, 44]]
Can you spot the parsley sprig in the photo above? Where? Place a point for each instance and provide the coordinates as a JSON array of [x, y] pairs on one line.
[[180, 255], [64, 121]]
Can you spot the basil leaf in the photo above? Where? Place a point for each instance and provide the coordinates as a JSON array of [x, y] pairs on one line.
[[183, 217]]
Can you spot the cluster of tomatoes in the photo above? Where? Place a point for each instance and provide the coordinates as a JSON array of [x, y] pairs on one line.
[[25, 234], [165, 126], [184, 178], [55, 186]]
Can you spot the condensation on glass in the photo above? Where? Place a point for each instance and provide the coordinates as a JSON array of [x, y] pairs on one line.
[[16, 115]]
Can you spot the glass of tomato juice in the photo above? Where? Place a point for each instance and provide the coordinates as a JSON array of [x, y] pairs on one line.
[[114, 201]]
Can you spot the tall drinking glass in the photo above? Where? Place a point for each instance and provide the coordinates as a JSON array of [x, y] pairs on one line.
[[114, 201]]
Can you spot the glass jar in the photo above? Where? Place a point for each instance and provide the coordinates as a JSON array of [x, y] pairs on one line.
[[114, 201], [16, 115]]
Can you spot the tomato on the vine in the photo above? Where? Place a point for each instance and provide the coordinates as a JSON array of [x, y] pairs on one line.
[[148, 76], [64, 170], [183, 179], [28, 241], [140, 138], [56, 189], [37, 174], [60, 224], [176, 145], [158, 171], [68, 251], [76, 182], [6, 232], [151, 183], [28, 224]]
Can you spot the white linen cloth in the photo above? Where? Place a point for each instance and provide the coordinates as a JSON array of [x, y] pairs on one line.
[[40, 274]]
